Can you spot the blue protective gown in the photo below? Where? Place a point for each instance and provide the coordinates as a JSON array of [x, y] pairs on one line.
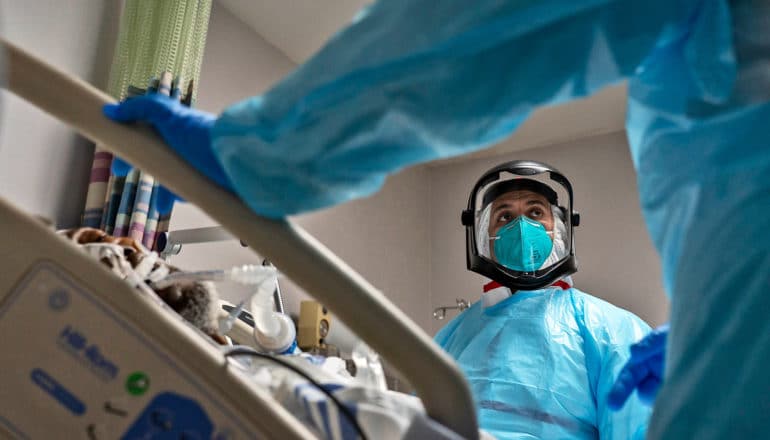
[[414, 80], [540, 362]]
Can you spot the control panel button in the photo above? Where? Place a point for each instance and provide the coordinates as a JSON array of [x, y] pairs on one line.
[[56, 390], [172, 416]]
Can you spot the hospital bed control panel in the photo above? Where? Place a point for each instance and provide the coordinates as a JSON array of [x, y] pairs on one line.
[[88, 372]]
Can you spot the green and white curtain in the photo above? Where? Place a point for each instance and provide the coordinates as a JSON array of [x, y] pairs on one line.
[[159, 50]]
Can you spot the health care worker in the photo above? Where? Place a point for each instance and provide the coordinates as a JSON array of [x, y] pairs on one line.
[[536, 351]]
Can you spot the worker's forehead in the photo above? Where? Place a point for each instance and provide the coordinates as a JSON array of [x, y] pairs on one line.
[[519, 195]]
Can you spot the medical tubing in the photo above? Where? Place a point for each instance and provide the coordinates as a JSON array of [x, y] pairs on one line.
[[273, 331], [246, 351], [262, 312], [247, 274], [277, 294]]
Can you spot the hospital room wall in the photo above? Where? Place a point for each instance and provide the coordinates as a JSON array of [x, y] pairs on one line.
[[617, 261], [383, 237], [44, 166]]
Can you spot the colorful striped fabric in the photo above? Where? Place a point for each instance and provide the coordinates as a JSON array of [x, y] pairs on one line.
[[155, 38], [112, 205], [152, 225], [143, 224], [126, 205], [97, 189]]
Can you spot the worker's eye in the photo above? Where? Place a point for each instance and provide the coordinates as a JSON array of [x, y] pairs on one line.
[[535, 213], [504, 218]]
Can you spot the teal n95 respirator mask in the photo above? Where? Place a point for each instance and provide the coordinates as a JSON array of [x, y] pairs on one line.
[[522, 245]]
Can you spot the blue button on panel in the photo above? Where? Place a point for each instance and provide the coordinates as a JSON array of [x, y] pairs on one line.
[[171, 416], [57, 391]]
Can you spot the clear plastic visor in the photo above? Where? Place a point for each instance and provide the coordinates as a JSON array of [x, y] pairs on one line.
[[519, 225]]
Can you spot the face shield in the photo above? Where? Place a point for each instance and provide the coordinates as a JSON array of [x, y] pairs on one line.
[[519, 224]]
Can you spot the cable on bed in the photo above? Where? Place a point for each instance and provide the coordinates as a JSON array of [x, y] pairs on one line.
[[246, 351]]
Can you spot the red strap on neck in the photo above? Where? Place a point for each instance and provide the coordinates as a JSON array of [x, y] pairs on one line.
[[561, 283], [494, 285], [491, 285]]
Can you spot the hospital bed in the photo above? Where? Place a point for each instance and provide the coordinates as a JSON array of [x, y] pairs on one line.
[[84, 355]]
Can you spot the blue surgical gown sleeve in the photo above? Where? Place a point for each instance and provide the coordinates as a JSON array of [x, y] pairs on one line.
[[415, 80], [703, 162]]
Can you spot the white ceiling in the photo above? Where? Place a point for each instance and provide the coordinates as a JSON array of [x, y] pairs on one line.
[[299, 28]]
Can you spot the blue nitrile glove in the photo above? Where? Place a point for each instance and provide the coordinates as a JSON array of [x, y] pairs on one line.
[[187, 131], [643, 371], [120, 167]]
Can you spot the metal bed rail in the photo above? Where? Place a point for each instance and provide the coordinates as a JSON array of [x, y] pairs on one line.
[[436, 378]]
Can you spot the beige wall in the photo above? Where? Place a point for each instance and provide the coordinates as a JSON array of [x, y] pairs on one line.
[[44, 165], [615, 256], [385, 239]]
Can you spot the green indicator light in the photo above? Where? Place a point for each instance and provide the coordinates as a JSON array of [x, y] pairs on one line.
[[137, 383]]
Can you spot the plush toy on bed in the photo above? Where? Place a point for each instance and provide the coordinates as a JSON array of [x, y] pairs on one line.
[[196, 302]]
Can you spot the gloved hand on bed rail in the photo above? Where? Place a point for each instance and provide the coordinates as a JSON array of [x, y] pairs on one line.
[[187, 131]]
